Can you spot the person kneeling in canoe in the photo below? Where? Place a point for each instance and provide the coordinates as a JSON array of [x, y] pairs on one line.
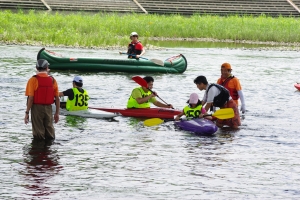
[[193, 109], [142, 97], [77, 96], [218, 96]]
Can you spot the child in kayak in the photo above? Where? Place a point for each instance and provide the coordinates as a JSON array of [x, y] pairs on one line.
[[194, 109]]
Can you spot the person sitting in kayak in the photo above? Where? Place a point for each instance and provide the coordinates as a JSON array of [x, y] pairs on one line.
[[142, 97], [193, 109], [135, 48], [77, 96]]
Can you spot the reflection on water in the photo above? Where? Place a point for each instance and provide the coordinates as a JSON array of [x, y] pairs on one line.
[[42, 164], [76, 122], [122, 159]]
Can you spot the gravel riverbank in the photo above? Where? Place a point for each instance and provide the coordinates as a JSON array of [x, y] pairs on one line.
[[282, 46]]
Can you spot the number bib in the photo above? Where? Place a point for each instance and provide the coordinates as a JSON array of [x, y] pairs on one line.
[[79, 102]]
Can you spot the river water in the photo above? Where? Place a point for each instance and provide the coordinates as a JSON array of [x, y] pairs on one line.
[[122, 159]]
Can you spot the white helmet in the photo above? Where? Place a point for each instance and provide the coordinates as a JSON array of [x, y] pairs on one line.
[[133, 33]]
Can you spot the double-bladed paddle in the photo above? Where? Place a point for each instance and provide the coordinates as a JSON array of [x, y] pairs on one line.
[[139, 80], [156, 61], [224, 113]]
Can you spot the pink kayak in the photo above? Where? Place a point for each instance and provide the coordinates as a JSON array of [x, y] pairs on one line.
[[163, 113], [297, 85]]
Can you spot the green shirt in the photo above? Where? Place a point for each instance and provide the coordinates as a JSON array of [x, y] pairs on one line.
[[139, 93]]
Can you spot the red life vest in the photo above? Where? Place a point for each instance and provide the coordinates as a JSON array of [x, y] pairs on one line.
[[233, 92], [45, 92], [132, 51]]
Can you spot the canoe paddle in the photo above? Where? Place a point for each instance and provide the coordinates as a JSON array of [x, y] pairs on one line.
[[139, 80], [224, 113], [156, 61]]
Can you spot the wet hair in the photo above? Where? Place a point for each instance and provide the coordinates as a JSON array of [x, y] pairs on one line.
[[148, 79], [200, 79], [78, 84]]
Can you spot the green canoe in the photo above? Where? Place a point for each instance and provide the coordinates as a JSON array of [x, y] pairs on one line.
[[175, 64]]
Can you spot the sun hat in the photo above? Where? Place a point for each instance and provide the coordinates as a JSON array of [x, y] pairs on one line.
[[42, 64], [226, 66], [133, 33], [193, 98], [77, 79]]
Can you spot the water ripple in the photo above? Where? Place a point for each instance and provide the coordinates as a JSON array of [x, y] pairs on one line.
[[122, 159]]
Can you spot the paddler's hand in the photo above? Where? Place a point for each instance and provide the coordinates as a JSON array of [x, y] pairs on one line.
[[137, 57], [154, 94], [170, 106], [177, 118]]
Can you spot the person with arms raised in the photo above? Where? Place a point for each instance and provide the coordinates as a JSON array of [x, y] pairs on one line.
[[218, 96], [232, 84], [77, 96], [142, 97], [41, 91]]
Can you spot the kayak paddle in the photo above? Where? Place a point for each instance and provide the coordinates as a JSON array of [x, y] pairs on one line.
[[139, 80], [224, 113], [153, 122], [156, 61]]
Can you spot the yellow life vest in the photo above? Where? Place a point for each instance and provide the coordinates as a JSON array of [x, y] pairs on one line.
[[191, 113], [132, 103], [79, 102]]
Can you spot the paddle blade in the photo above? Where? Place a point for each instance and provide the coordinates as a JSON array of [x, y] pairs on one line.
[[139, 80], [153, 122], [224, 113], [158, 62]]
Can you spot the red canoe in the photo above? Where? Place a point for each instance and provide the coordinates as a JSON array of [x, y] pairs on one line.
[[164, 113], [297, 85]]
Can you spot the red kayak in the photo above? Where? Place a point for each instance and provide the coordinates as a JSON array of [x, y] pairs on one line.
[[164, 113], [297, 85]]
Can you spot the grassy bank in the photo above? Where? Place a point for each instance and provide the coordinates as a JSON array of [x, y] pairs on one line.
[[99, 30]]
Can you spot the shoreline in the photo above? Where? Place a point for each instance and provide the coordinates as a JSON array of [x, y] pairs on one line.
[[281, 46]]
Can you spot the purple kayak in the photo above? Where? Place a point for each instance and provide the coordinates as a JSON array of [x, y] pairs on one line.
[[198, 126]]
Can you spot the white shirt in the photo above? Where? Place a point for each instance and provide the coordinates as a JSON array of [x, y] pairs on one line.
[[211, 94]]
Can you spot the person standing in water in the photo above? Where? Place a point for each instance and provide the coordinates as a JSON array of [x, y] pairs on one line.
[[232, 84], [41, 91], [218, 96]]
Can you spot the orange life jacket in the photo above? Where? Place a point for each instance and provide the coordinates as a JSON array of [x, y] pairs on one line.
[[233, 92]]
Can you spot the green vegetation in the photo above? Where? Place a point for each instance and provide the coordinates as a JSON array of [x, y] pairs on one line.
[[112, 29]]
